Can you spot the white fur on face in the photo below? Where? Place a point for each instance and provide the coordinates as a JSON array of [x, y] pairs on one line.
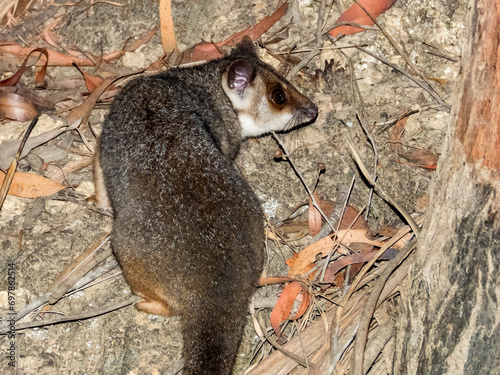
[[262, 122], [255, 113]]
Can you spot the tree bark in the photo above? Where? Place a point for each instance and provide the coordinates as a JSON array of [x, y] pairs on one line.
[[450, 316]]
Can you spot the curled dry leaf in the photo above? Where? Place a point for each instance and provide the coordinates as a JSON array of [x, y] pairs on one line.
[[40, 77], [48, 33], [16, 107], [357, 15], [283, 307], [339, 264], [29, 185]]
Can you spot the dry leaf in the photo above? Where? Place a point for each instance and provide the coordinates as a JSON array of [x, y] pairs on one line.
[[357, 15], [354, 259], [314, 217], [283, 307], [16, 107], [29, 185], [419, 157], [167, 27]]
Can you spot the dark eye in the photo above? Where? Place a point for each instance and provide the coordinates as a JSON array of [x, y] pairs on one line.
[[278, 96]]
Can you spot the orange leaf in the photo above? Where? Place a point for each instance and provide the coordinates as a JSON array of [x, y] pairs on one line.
[[360, 232], [357, 15], [308, 256], [29, 185], [283, 307]]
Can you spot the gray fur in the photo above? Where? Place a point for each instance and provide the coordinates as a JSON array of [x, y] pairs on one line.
[[188, 229]]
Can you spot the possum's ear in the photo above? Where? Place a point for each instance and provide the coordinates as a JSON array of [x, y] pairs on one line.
[[245, 48], [239, 75]]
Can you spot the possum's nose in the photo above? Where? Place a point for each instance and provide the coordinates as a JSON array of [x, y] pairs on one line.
[[310, 110]]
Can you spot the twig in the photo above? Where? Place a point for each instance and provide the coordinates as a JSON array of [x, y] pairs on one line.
[[380, 191], [302, 63], [72, 318], [315, 204], [375, 163], [321, 17], [339, 240]]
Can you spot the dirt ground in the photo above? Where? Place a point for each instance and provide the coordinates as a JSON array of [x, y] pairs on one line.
[[41, 236]]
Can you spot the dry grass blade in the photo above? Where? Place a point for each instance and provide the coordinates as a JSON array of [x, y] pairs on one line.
[[70, 277], [80, 266], [370, 306]]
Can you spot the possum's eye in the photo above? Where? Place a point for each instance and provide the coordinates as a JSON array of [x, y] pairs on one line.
[[278, 96]]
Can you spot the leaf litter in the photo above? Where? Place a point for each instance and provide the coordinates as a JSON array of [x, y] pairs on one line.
[[317, 307]]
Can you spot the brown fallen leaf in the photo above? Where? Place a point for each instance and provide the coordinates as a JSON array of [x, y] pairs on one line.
[[29, 185], [43, 104], [48, 33], [340, 263], [40, 77], [16, 107], [358, 232], [15, 52], [355, 14], [314, 217], [92, 82], [420, 158]]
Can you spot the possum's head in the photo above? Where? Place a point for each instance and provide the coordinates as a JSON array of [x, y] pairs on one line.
[[263, 100]]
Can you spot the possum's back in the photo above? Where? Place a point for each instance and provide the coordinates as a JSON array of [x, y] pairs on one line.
[[188, 230]]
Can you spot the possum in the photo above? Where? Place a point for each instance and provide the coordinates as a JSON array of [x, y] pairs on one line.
[[188, 230]]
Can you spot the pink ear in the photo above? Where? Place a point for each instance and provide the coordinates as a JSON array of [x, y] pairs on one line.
[[239, 75]]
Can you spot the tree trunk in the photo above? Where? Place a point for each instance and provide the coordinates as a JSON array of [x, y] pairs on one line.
[[450, 319]]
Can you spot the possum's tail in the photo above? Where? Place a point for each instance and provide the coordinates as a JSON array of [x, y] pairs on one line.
[[211, 338]]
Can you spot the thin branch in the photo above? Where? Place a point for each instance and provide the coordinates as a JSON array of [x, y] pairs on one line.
[[72, 318], [315, 204]]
